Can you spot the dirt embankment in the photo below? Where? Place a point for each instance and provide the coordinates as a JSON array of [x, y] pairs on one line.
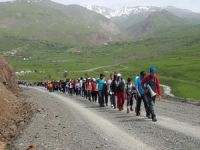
[[14, 111]]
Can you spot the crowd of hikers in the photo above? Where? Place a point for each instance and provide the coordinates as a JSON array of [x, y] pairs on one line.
[[144, 88]]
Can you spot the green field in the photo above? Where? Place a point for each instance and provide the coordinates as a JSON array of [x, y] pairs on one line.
[[175, 55]]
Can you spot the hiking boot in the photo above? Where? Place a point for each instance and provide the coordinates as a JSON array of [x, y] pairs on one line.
[[148, 116], [128, 110], [131, 108], [137, 114], [154, 119]]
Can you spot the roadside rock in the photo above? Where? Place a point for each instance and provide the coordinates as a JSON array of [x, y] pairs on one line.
[[14, 111]]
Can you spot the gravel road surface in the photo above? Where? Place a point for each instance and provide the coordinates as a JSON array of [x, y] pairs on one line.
[[73, 123]]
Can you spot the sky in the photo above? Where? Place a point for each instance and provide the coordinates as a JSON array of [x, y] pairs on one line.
[[193, 5]]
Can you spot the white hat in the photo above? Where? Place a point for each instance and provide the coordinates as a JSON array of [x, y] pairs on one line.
[[119, 75]]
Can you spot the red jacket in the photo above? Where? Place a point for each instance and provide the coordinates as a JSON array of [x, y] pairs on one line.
[[147, 79], [94, 86]]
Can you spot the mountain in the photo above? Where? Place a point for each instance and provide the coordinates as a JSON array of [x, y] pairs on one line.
[[44, 20], [145, 20], [154, 23], [138, 10], [185, 14]]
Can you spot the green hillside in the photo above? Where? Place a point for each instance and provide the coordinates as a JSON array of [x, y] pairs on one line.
[[176, 55], [54, 41], [155, 22], [45, 20]]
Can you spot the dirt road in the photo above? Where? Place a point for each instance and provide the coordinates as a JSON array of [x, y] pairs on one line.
[[73, 123]]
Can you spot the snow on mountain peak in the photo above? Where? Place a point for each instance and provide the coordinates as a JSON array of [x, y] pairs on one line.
[[125, 11]]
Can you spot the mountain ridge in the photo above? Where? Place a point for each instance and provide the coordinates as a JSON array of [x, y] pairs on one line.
[[127, 11], [54, 22]]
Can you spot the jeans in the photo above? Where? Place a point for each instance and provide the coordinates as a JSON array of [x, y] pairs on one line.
[[129, 100], [94, 96], [151, 103], [101, 98], [112, 100], [138, 104], [89, 95]]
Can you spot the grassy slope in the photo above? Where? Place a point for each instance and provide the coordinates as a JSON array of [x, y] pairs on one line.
[[157, 21], [50, 21]]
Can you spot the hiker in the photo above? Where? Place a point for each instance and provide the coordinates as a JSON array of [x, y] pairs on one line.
[[84, 93], [113, 92], [94, 90], [105, 92], [50, 86], [80, 86], [129, 95], [109, 90], [71, 87], [100, 90], [141, 95], [120, 92], [89, 88], [151, 84], [77, 88]]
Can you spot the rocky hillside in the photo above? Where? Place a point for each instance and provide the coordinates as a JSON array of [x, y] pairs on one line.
[[14, 112]]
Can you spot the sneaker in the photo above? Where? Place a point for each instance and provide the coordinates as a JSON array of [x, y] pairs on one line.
[[128, 110]]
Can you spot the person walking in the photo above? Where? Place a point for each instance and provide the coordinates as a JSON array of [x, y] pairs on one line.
[[129, 95], [151, 83], [109, 90], [101, 82], [105, 92], [94, 90], [113, 92], [120, 92], [141, 95]]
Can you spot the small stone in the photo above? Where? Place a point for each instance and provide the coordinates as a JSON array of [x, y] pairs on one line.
[[3, 146], [32, 147], [36, 136], [97, 146]]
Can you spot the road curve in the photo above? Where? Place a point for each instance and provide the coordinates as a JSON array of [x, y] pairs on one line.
[[64, 122]]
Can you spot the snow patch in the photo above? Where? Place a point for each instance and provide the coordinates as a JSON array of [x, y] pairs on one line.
[[124, 11]]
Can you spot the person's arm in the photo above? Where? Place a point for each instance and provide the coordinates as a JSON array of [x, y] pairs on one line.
[[158, 87], [136, 87], [143, 82]]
